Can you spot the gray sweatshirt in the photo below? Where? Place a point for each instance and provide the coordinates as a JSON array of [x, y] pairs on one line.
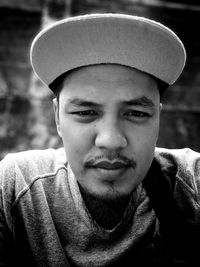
[[44, 221]]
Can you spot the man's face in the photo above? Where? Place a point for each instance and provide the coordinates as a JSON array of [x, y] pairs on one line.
[[108, 119]]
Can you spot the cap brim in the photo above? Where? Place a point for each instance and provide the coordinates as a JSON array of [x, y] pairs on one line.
[[128, 40]]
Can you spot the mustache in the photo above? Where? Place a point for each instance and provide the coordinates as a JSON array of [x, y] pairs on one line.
[[111, 157]]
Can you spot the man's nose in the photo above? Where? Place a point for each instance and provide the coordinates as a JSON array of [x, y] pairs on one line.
[[110, 136]]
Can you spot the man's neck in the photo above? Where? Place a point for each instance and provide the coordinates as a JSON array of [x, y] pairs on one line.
[[106, 213]]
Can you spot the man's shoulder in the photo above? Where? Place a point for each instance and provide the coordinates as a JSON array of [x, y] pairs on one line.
[[183, 164], [22, 171], [38, 157], [31, 163], [177, 151], [184, 157]]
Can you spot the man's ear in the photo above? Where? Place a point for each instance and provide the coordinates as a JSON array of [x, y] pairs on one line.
[[56, 113], [160, 107]]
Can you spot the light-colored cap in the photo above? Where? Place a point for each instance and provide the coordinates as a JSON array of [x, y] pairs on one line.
[[91, 39]]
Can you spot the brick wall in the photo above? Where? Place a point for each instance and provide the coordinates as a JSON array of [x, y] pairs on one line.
[[26, 115], [17, 28]]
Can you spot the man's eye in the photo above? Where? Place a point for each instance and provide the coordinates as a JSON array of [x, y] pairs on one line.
[[136, 114], [85, 113]]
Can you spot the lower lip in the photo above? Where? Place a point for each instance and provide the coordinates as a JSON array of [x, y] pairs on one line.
[[110, 174]]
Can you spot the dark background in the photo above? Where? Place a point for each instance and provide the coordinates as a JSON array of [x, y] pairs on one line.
[[26, 114]]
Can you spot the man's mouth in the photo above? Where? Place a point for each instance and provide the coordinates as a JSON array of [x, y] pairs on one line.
[[109, 170], [110, 165]]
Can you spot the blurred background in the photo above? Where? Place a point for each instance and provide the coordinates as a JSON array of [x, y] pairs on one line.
[[26, 114]]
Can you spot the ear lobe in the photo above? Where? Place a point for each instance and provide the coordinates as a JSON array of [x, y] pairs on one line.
[[160, 107], [56, 113]]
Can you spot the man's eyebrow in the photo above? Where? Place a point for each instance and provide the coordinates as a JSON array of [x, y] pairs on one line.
[[83, 103], [141, 101]]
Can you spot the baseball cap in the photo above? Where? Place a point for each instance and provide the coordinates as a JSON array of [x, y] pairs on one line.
[[91, 39]]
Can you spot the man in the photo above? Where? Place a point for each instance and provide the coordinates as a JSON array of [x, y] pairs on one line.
[[109, 197]]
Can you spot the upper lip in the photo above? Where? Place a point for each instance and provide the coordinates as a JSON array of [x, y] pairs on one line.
[[109, 165]]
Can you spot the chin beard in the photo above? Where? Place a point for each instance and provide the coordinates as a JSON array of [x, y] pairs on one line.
[[107, 210]]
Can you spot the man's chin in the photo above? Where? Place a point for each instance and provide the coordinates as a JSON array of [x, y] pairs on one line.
[[107, 193]]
